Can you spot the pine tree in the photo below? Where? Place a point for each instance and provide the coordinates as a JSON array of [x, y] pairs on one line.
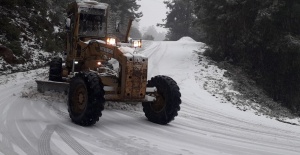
[[125, 7], [261, 36], [180, 19], [135, 33]]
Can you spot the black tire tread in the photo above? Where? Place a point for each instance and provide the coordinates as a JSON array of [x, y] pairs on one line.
[[55, 69], [172, 95], [96, 99]]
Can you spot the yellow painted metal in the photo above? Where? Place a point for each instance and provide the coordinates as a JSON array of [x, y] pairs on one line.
[[130, 84]]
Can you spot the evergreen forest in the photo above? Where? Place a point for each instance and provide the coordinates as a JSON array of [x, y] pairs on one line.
[[263, 37]]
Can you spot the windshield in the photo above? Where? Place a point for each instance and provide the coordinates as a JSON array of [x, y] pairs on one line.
[[92, 25]]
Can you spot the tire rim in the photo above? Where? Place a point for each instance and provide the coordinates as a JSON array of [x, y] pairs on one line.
[[159, 104], [79, 99]]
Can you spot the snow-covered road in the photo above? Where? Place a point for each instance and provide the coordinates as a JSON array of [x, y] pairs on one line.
[[33, 123]]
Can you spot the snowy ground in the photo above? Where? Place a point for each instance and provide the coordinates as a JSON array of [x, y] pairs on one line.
[[208, 124]]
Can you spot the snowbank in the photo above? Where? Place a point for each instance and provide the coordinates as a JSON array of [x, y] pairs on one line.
[[186, 39]]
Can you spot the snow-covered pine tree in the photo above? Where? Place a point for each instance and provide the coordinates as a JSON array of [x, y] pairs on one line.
[[180, 19]]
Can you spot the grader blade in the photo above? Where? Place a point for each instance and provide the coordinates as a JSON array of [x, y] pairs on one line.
[[43, 86]]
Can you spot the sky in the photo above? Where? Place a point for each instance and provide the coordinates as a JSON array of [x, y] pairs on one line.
[[153, 12]]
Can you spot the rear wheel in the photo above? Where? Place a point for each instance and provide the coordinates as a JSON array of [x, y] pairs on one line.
[[55, 69], [167, 104], [86, 99]]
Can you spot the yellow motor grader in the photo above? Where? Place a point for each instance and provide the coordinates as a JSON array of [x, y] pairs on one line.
[[95, 36]]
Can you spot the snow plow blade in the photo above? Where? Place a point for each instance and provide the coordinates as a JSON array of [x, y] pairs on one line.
[[43, 86]]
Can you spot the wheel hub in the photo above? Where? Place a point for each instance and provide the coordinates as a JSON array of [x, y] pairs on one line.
[[159, 104], [80, 99]]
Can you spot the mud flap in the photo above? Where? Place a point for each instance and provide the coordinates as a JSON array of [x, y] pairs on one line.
[[43, 86]]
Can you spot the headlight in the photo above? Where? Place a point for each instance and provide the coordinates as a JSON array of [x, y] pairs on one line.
[[99, 63], [137, 43], [111, 41]]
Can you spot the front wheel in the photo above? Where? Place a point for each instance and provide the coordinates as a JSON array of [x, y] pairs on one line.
[[86, 98], [167, 104]]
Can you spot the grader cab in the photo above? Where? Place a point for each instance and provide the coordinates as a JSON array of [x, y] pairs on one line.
[[95, 38]]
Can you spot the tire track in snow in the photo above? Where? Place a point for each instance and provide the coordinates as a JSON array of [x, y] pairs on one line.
[[104, 135], [60, 113], [36, 110], [130, 144], [48, 116], [155, 64], [6, 98], [72, 142], [6, 146], [24, 126], [6, 150], [245, 130], [217, 118], [54, 114], [149, 51], [17, 125], [14, 129], [44, 141], [7, 94]]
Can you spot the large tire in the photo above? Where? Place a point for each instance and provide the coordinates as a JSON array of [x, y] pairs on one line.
[[55, 71], [167, 104], [86, 98]]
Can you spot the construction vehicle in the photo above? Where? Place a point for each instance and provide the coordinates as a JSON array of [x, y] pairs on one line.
[[94, 38]]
